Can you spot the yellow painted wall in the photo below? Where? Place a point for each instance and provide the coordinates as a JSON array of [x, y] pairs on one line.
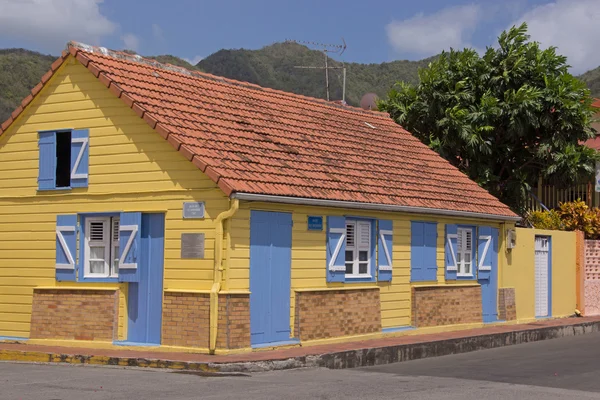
[[132, 168], [309, 255], [519, 272]]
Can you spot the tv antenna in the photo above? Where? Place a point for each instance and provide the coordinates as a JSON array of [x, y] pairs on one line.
[[327, 49]]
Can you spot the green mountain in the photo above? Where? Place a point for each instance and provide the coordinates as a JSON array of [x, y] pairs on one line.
[[592, 80], [275, 66], [272, 66], [20, 71]]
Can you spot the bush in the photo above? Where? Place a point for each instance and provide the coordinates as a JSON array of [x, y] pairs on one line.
[[571, 216], [577, 216], [545, 220]]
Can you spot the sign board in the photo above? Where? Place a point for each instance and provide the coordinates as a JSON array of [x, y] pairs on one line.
[[597, 189], [315, 223], [192, 245], [193, 210]]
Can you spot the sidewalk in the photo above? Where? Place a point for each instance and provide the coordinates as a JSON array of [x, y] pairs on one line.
[[335, 356]]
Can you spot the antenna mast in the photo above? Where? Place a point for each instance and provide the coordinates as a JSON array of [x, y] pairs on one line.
[[327, 49]]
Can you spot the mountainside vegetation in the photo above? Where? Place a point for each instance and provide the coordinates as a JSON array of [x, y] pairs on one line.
[[272, 66], [20, 71]]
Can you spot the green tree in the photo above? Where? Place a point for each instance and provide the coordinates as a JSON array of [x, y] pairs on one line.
[[504, 118]]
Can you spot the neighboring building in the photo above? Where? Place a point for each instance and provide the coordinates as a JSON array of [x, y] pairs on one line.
[[144, 203]]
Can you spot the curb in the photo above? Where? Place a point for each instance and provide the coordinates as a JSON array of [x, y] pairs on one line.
[[338, 360]]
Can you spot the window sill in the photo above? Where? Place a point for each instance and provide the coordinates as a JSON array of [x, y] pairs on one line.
[[60, 189], [100, 279]]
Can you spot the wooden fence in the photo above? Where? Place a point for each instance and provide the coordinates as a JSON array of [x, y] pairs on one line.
[[551, 197]]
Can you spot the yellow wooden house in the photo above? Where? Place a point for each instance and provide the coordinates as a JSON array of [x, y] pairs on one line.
[[145, 204]]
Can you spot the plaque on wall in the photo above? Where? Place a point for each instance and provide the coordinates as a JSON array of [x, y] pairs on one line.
[[315, 223], [192, 245], [193, 210]]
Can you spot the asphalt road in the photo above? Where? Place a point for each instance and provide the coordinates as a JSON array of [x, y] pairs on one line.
[[567, 368]]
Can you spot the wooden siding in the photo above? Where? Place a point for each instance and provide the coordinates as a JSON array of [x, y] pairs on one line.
[[132, 168], [309, 256]]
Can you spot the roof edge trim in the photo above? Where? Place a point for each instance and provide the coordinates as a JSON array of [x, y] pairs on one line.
[[369, 206]]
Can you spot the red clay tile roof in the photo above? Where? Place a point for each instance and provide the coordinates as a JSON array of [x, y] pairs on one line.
[[250, 139], [596, 103]]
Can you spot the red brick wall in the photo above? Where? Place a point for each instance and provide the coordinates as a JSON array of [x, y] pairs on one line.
[[507, 305], [186, 320], [75, 314], [333, 313], [446, 305]]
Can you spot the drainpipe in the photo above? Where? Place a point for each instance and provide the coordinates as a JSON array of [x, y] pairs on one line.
[[218, 272]]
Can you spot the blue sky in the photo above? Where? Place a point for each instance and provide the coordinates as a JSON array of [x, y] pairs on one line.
[[375, 31]]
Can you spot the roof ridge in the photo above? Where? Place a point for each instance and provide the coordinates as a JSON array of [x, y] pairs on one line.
[[121, 55]]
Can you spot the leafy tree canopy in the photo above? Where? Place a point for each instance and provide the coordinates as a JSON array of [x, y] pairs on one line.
[[504, 118]]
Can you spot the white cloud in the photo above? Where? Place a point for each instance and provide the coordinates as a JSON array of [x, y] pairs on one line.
[[426, 35], [158, 33], [131, 41], [52, 23], [572, 26], [194, 60]]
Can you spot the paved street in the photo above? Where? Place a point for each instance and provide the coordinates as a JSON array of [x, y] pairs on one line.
[[567, 368]]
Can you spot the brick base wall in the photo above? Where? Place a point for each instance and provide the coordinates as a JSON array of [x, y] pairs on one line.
[[326, 314], [74, 314], [507, 304], [186, 320], [446, 305]]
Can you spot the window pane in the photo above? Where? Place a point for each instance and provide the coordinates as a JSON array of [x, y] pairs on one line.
[[363, 268], [349, 255], [115, 260], [97, 267], [458, 258], [363, 256], [467, 268], [97, 253], [349, 268], [467, 257]]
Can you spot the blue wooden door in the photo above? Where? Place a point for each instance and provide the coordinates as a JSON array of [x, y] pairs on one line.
[[487, 272], [145, 297], [270, 274]]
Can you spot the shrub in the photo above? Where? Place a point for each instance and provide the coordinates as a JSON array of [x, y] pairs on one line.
[[571, 216], [545, 220], [577, 216]]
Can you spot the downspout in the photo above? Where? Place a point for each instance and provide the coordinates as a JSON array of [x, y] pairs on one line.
[[218, 272]]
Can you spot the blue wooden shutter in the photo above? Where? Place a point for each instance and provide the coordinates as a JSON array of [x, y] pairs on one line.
[[130, 232], [385, 250], [66, 247], [417, 249], [485, 247], [423, 251], [336, 249], [430, 251], [80, 154], [451, 240], [47, 161]]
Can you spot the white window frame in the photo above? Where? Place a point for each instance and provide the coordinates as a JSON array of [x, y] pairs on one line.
[[357, 248], [108, 243], [462, 249]]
